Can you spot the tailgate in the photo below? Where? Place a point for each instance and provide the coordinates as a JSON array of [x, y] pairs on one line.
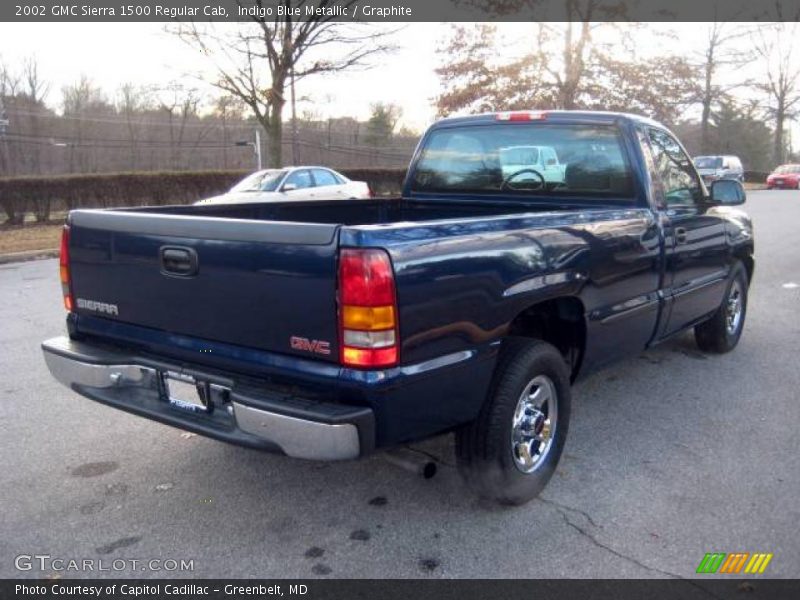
[[244, 282]]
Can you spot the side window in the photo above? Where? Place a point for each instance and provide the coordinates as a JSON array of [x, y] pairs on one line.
[[302, 179], [323, 177], [674, 170]]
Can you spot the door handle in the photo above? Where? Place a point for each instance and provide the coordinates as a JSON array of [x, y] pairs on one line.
[[177, 261], [681, 235]]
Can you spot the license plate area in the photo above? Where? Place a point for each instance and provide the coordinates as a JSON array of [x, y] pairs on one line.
[[184, 392]]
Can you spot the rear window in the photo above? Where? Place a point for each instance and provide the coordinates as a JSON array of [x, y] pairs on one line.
[[508, 159], [784, 169], [323, 177], [708, 162]]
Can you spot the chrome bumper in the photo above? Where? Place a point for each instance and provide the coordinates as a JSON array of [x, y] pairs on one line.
[[131, 384]]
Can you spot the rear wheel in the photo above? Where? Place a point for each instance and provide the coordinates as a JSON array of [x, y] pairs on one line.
[[722, 331], [510, 452]]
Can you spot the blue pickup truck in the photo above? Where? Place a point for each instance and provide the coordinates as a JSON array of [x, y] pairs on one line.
[[328, 329]]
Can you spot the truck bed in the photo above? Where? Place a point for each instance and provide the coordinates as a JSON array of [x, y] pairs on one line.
[[348, 212], [252, 275]]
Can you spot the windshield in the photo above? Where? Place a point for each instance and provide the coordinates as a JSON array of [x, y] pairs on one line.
[[784, 169], [261, 181], [504, 159], [708, 162]]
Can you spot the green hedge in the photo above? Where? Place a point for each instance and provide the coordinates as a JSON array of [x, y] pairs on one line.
[[755, 176], [42, 196]]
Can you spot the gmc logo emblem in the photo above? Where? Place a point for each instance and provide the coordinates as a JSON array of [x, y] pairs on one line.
[[306, 345]]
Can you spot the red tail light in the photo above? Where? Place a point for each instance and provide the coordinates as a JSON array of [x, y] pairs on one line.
[[368, 332], [66, 280], [522, 115]]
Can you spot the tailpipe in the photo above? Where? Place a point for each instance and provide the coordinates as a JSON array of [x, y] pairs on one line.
[[414, 461]]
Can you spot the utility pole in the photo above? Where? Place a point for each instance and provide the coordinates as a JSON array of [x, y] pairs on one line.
[[258, 148], [255, 145]]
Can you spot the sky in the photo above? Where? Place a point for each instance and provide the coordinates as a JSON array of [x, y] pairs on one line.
[[111, 54]]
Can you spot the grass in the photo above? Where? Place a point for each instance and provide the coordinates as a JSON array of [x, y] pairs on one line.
[[29, 237]]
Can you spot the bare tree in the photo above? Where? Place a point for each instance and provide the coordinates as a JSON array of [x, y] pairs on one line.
[[84, 103], [8, 85], [9, 81], [180, 105], [227, 108], [132, 102], [720, 51], [259, 60], [34, 87], [775, 45]]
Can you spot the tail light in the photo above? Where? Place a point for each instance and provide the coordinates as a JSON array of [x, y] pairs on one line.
[[66, 280], [368, 332], [522, 115]]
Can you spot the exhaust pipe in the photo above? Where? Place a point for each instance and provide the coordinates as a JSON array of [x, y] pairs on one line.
[[418, 463]]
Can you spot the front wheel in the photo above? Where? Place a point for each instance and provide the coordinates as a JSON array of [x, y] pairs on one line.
[[509, 453], [722, 331]]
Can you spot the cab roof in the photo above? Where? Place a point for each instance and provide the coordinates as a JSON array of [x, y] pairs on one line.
[[558, 116]]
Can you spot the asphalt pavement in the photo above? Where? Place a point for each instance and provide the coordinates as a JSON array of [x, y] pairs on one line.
[[671, 454]]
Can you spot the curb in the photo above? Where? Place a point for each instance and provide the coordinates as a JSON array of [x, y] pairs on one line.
[[13, 257]]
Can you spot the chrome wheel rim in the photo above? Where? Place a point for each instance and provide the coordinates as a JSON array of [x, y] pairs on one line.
[[733, 308], [534, 426]]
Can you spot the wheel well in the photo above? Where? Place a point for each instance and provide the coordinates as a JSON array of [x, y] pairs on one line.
[[559, 322], [746, 257]]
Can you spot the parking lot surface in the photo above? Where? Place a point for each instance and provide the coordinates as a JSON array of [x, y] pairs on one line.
[[671, 454]]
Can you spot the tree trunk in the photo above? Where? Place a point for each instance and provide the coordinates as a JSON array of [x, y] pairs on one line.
[[779, 122], [704, 126], [274, 132], [708, 92]]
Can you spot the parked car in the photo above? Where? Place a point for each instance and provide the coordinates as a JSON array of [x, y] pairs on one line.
[[293, 183], [712, 168], [785, 177], [326, 330]]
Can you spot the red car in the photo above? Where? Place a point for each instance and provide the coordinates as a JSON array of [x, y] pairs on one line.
[[785, 177]]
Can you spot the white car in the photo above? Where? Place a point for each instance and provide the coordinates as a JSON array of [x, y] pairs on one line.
[[293, 183]]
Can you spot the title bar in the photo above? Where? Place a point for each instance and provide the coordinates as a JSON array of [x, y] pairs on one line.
[[398, 11]]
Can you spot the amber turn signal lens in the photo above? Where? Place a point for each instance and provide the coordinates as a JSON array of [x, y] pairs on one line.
[[368, 318]]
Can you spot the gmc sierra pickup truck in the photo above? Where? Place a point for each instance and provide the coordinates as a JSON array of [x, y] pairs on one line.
[[328, 329]]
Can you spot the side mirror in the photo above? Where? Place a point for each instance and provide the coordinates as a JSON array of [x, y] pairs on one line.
[[288, 187], [727, 192]]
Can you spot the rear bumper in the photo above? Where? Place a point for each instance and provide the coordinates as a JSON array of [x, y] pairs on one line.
[[241, 413]]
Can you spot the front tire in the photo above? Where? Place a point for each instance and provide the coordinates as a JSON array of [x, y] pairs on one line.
[[722, 331], [509, 453]]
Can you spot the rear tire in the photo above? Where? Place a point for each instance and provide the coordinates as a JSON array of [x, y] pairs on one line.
[[722, 331], [509, 453]]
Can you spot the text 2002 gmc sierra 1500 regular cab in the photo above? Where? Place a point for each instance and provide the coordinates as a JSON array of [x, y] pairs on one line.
[[328, 329]]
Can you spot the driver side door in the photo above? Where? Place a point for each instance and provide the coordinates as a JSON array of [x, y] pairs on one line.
[[696, 248]]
